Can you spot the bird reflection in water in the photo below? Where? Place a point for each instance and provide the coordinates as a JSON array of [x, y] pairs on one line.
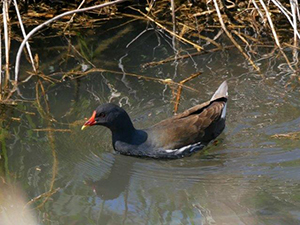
[[112, 185]]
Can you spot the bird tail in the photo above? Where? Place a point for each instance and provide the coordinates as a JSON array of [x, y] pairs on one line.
[[222, 92]]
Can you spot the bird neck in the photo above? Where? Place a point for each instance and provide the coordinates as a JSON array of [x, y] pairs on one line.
[[123, 130], [129, 135]]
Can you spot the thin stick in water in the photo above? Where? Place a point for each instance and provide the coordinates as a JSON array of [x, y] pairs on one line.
[[71, 20], [6, 41], [0, 65], [24, 35]]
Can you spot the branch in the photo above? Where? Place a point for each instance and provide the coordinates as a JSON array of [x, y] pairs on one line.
[[182, 39], [17, 64], [232, 39], [24, 35]]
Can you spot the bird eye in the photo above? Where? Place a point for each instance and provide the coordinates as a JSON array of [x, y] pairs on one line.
[[102, 115]]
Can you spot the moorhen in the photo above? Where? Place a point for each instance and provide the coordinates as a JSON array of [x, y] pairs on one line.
[[176, 137]]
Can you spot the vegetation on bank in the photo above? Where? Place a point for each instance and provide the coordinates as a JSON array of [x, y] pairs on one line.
[[248, 25]]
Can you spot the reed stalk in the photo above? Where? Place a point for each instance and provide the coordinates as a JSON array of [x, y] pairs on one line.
[[33, 31], [294, 5], [0, 64], [231, 37], [270, 23], [174, 25], [182, 39], [6, 41], [72, 18], [24, 35], [288, 14]]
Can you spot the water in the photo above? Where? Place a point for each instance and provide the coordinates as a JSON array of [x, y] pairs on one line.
[[247, 177]]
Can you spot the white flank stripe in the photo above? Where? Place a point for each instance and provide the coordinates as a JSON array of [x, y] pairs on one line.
[[182, 149]]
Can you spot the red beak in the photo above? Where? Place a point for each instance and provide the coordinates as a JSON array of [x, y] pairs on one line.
[[90, 122]]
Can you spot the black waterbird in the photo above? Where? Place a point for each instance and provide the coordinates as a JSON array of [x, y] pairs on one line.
[[175, 137]]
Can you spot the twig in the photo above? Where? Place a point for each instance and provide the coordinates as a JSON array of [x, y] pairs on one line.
[[0, 65], [275, 34], [174, 42], [76, 51], [294, 4], [292, 135], [288, 14], [138, 36], [180, 88], [174, 23], [41, 196], [54, 166], [33, 31], [120, 25], [162, 81], [39, 105], [270, 23], [198, 47], [258, 9], [51, 138], [71, 20], [51, 129], [232, 39], [6, 40], [170, 59], [198, 35], [291, 46], [24, 35], [298, 11], [210, 11], [241, 37]]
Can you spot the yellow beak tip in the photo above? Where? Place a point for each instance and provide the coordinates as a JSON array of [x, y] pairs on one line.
[[83, 127]]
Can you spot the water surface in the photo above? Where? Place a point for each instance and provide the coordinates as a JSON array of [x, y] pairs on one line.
[[247, 177]]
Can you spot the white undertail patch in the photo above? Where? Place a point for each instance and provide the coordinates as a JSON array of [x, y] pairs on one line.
[[223, 115], [222, 92]]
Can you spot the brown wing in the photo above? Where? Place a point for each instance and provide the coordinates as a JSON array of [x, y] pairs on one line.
[[191, 110], [186, 128]]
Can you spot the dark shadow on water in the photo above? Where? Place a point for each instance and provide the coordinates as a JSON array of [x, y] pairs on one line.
[[113, 184]]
